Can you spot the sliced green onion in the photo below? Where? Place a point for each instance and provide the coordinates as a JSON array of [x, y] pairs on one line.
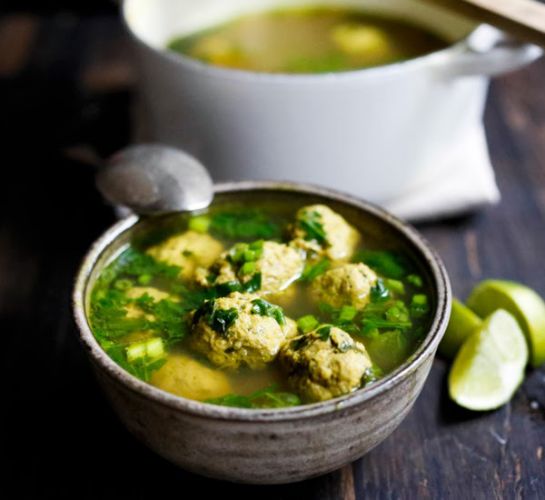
[[150, 349], [307, 323], [248, 268], [416, 280], [419, 305], [395, 286], [201, 224], [144, 279], [347, 313], [420, 300], [123, 285]]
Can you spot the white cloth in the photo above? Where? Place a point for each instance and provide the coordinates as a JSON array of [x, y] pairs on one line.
[[466, 182]]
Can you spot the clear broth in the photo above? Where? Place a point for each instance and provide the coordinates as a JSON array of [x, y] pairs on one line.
[[116, 332], [308, 40]]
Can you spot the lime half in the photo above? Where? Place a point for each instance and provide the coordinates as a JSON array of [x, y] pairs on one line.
[[522, 302], [463, 322], [490, 364]]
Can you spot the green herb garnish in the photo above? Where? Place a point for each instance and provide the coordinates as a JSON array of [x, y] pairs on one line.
[[386, 263], [419, 305], [307, 323], [200, 224], [324, 332], [346, 314], [264, 308], [395, 286], [415, 280], [379, 292], [254, 284], [244, 224], [218, 319], [312, 271], [270, 397], [311, 223]]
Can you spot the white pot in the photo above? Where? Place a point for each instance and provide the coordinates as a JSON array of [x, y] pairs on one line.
[[376, 132]]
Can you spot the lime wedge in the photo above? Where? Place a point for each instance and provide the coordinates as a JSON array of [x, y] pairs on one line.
[[463, 322], [490, 364], [522, 302]]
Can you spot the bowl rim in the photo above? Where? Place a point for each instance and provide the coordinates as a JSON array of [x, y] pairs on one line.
[[196, 408], [436, 57]]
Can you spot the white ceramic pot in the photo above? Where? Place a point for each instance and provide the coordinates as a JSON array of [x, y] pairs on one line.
[[376, 133]]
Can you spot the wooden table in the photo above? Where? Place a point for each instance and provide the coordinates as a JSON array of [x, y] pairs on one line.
[[67, 81]]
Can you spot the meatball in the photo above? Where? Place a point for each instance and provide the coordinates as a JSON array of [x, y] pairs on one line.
[[347, 284], [320, 231], [188, 250], [239, 330], [189, 378], [276, 265], [324, 364]]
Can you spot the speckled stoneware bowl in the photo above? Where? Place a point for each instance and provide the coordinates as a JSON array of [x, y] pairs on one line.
[[268, 446]]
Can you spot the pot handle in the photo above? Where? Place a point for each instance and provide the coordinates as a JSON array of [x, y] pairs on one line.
[[490, 52]]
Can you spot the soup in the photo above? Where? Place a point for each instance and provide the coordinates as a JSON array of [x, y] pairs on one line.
[[308, 40], [267, 305]]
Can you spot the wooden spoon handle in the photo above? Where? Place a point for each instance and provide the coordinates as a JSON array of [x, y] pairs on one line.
[[524, 19]]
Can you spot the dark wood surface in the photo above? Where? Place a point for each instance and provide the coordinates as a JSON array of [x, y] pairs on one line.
[[66, 81]]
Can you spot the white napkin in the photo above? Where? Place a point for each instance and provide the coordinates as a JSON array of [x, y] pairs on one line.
[[466, 182]]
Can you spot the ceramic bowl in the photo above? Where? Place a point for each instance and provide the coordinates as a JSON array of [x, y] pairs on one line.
[[268, 446]]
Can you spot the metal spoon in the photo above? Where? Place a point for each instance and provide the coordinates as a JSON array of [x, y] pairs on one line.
[[154, 179]]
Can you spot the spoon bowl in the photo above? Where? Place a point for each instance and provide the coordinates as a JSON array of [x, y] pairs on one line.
[[155, 179]]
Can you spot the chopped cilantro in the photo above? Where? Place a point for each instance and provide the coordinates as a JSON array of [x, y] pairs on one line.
[[244, 224], [218, 319], [386, 263], [264, 308], [312, 271], [311, 223], [379, 292], [324, 332], [270, 397]]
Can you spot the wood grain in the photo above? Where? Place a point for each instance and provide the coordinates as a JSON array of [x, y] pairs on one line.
[[524, 19], [17, 33], [58, 437]]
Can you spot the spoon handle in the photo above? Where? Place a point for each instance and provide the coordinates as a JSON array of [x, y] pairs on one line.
[[524, 19]]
